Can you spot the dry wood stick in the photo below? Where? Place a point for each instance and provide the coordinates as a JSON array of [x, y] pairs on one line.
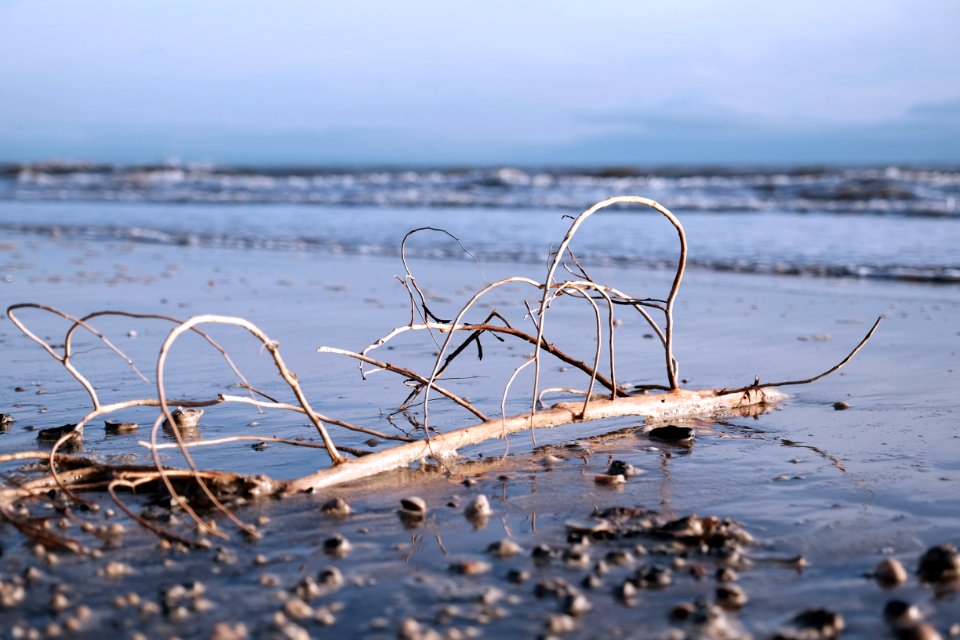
[[680, 402]]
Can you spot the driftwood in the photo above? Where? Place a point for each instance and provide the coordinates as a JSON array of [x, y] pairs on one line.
[[675, 404], [196, 492]]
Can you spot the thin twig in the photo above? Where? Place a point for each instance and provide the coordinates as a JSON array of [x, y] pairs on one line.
[[503, 404], [413, 375], [787, 383]]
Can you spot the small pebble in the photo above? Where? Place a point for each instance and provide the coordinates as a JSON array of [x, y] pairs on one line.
[[504, 548], [576, 558], [653, 577], [297, 609], [898, 613], [32, 574], [470, 567], [59, 602], [682, 611], [576, 605], [561, 623], [269, 580], [114, 570], [550, 460], [591, 525], [827, 623], [202, 605], [725, 574], [518, 576], [841, 406], [939, 564], [409, 630], [673, 433], [919, 631], [336, 507], [478, 507], [330, 577], [491, 596], [731, 597], [185, 418], [115, 426], [11, 594], [72, 624], [414, 506], [324, 616], [890, 572], [626, 591], [337, 545], [619, 557], [592, 581], [228, 631], [687, 527], [621, 468], [605, 479], [55, 433], [225, 556]]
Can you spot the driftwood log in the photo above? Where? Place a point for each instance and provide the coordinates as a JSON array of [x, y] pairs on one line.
[[675, 404]]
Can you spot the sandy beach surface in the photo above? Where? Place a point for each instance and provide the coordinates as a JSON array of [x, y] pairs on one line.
[[825, 494]]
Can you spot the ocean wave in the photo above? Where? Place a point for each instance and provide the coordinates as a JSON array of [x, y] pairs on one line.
[[491, 251], [906, 191]]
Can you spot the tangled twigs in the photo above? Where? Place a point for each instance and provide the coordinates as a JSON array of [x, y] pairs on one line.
[[196, 491], [477, 330]]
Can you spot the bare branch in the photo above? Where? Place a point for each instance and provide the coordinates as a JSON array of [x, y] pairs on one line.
[[834, 368]]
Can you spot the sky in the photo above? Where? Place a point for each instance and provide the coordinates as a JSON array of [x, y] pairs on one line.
[[442, 82]]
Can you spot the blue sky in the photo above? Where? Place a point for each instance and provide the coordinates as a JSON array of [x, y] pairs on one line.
[[467, 82]]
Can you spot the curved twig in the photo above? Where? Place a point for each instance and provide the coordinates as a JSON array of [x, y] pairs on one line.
[[787, 383], [672, 369], [286, 374], [503, 404], [596, 360]]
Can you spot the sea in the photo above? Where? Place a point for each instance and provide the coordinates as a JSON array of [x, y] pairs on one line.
[[877, 222], [789, 268]]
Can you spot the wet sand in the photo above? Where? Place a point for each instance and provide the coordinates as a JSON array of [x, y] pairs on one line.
[[842, 489]]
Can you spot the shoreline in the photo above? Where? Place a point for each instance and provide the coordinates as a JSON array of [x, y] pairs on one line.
[[896, 442]]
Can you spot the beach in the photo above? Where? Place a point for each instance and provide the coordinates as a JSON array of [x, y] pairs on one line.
[[825, 494]]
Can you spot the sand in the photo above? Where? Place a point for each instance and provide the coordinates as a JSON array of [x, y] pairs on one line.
[[842, 489]]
